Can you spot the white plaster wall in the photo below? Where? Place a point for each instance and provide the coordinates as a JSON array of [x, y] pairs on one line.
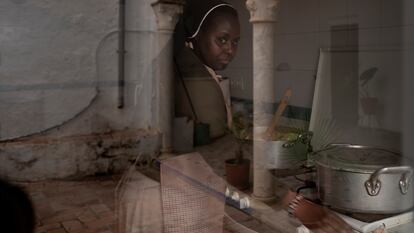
[[48, 65], [140, 42], [58, 76], [59, 58], [303, 28]]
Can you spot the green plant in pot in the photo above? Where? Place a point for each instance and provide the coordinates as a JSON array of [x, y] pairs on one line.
[[238, 167]]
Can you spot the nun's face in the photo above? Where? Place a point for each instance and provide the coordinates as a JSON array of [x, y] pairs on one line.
[[216, 45]]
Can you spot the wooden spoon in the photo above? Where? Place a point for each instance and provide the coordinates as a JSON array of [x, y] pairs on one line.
[[280, 109]]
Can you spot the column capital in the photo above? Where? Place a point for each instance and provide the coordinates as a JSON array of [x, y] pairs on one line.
[[167, 13], [263, 10]]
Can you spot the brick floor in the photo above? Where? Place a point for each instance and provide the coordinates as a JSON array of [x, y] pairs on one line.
[[77, 208], [87, 206]]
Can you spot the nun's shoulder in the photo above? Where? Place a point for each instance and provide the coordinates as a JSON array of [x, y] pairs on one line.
[[190, 65]]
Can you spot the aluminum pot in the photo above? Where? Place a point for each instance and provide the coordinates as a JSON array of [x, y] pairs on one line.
[[282, 154], [362, 179]]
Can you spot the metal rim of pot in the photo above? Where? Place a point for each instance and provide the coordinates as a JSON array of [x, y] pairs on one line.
[[374, 174]]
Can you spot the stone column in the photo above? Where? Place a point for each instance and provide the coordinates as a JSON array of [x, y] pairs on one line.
[[167, 14], [263, 17]]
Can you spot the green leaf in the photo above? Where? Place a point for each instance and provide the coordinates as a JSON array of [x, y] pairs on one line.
[[367, 75]]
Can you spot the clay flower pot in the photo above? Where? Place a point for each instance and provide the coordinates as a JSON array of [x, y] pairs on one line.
[[237, 174], [314, 216]]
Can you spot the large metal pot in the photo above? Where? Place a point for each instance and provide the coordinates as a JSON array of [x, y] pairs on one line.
[[363, 179]]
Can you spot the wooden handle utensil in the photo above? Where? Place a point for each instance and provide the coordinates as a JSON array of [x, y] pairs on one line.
[[280, 109]]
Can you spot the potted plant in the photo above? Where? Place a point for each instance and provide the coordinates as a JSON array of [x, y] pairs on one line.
[[238, 167]]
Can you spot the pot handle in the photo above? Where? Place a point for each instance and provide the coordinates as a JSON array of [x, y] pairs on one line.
[[373, 185]]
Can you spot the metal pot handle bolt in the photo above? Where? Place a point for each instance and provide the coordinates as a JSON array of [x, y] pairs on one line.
[[373, 185]]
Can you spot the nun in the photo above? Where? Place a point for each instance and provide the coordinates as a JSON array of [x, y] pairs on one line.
[[206, 41]]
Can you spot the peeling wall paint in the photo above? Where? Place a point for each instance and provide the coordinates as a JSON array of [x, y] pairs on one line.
[[58, 88], [74, 157]]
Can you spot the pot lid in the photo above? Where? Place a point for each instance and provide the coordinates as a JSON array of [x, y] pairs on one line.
[[357, 158]]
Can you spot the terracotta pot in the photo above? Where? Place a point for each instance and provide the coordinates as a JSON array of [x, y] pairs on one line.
[[306, 211], [237, 174]]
